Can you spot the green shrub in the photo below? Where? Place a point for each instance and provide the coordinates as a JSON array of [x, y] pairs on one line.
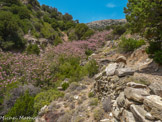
[[69, 25], [91, 68], [72, 36], [130, 44], [24, 13], [26, 25], [22, 107], [10, 32], [47, 31], [98, 114], [108, 27], [33, 49], [154, 47], [57, 41], [67, 67], [88, 52], [65, 86], [158, 57], [82, 31], [45, 98], [91, 94], [87, 34], [119, 30], [93, 102]]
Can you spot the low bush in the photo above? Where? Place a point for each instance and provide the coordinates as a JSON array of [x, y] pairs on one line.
[[119, 30], [57, 41], [91, 94], [154, 47], [33, 49], [155, 51], [130, 44], [158, 57], [93, 102], [65, 86], [98, 114], [88, 52], [69, 67], [22, 107], [91, 68], [45, 98], [87, 34]]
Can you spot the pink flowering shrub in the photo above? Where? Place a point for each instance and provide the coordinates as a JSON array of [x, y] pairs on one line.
[[79, 47], [37, 69]]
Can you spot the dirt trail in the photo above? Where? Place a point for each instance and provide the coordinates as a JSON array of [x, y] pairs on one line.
[[65, 37]]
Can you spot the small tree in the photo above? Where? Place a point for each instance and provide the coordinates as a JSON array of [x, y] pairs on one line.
[[144, 17]]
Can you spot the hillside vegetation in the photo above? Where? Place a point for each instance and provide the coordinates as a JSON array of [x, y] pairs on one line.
[[57, 69], [18, 18]]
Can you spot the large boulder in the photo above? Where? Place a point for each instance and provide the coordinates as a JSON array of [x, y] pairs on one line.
[[121, 100], [124, 72], [156, 88], [127, 117], [136, 85], [122, 59], [153, 104], [110, 69], [137, 95], [139, 113]]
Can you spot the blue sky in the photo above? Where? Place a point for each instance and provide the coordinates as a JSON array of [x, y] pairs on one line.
[[89, 10]]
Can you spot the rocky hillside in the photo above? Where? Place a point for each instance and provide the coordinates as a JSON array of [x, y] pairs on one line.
[[103, 23], [128, 88]]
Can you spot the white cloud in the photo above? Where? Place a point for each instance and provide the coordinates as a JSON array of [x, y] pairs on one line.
[[111, 5]]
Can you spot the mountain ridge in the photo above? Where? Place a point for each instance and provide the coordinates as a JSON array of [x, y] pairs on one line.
[[101, 24]]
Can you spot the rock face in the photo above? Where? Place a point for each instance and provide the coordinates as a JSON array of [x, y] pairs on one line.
[[127, 117], [122, 59], [121, 99], [137, 95], [136, 85], [153, 104], [124, 72], [156, 88], [110, 69], [138, 112], [104, 23], [131, 102]]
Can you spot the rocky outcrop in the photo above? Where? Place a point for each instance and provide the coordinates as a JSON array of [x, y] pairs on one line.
[[156, 88], [124, 72], [133, 100], [153, 104], [103, 23]]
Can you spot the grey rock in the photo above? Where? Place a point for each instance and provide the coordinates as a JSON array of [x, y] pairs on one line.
[[136, 85], [156, 88], [110, 69], [128, 104], [121, 100], [106, 104], [127, 117], [122, 59], [149, 116], [124, 72], [105, 120], [137, 95], [139, 113], [59, 88], [153, 103], [98, 76]]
